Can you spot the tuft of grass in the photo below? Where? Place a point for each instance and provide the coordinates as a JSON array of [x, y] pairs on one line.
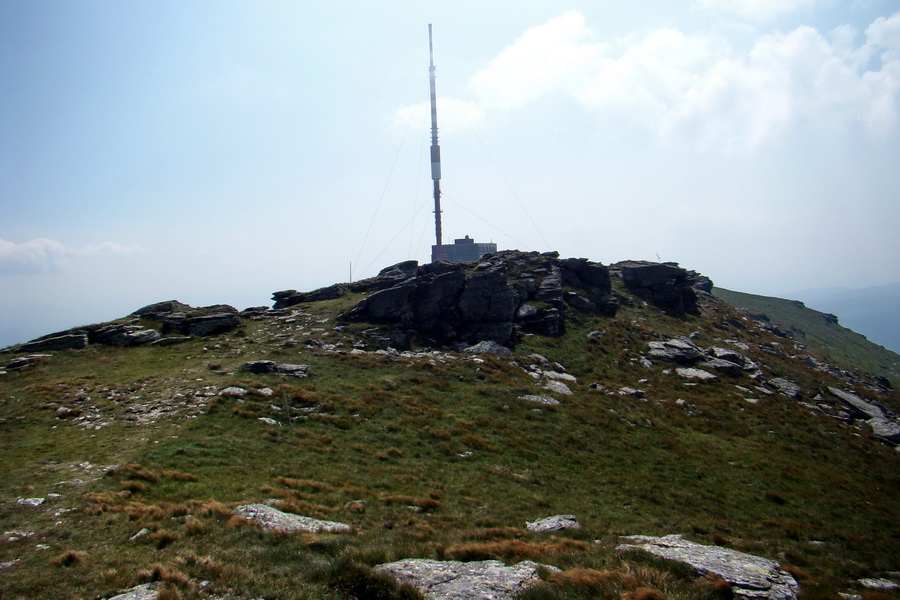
[[69, 558]]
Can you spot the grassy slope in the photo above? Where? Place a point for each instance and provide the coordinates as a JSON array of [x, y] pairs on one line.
[[840, 345], [386, 451]]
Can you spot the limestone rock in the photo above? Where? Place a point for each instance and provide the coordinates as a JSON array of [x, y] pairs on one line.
[[554, 523], [751, 577], [270, 517], [452, 580]]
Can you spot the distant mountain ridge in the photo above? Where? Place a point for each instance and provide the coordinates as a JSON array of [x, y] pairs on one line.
[[822, 332], [871, 311]]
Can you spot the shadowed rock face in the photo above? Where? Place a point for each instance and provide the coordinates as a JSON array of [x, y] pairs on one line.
[[491, 300], [664, 285]]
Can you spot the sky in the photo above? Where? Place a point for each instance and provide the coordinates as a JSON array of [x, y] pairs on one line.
[[218, 151]]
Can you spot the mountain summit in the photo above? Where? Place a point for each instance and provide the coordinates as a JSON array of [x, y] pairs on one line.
[[521, 426]]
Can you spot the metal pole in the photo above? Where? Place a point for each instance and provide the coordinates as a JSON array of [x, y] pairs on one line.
[[435, 154]]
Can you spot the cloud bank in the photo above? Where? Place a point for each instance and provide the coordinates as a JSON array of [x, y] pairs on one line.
[[42, 255], [703, 89]]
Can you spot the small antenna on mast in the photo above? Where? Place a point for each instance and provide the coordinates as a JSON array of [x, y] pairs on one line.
[[435, 155]]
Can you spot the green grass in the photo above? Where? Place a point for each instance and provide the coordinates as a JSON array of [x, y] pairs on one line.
[[428, 457], [839, 345]]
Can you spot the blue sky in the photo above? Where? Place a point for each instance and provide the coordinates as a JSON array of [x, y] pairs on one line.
[[215, 152]]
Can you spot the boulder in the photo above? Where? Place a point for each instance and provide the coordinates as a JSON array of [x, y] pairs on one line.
[[488, 347], [751, 576], [694, 373], [453, 580], [787, 387], [555, 523], [269, 517], [885, 428], [859, 406], [678, 350], [270, 366]]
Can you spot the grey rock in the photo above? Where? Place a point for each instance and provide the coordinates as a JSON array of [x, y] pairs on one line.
[[488, 347], [885, 428], [545, 400], [453, 580], [24, 361], [145, 591], [63, 341], [124, 335], [859, 405], [554, 523], [723, 366], [787, 387], [750, 576], [879, 584], [677, 350], [665, 285], [269, 517], [694, 373], [270, 366], [558, 387], [166, 306]]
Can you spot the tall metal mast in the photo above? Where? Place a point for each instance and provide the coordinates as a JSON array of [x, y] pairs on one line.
[[435, 154]]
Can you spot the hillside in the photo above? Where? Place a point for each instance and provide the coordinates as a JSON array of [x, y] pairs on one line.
[[127, 459], [821, 332]]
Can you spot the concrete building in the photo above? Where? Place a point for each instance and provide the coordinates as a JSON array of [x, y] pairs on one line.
[[465, 249]]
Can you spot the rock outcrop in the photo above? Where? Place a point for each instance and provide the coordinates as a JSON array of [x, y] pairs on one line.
[[750, 576], [495, 299], [174, 318], [664, 285], [452, 580]]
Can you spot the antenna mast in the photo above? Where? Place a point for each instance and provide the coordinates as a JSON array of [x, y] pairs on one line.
[[435, 154]]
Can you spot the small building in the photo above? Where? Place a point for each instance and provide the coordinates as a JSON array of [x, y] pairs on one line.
[[463, 250]]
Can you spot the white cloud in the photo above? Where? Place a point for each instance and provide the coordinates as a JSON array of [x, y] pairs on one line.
[[453, 115], [755, 10], [42, 255], [703, 90]]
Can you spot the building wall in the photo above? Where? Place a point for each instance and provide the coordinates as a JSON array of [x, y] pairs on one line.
[[465, 249]]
